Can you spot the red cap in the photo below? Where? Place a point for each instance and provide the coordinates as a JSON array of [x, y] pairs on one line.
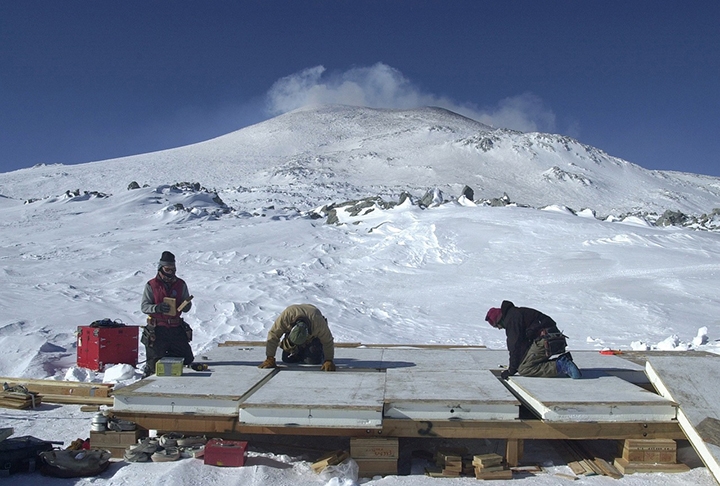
[[493, 316]]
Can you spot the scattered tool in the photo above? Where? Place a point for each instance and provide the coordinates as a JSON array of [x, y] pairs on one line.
[[610, 351], [199, 366]]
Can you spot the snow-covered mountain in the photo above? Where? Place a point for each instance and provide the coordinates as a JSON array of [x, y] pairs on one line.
[[77, 246], [341, 152]]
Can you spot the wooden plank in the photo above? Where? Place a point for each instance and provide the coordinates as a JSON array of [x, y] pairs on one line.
[[514, 451], [627, 467], [55, 387], [530, 429], [76, 399], [685, 379], [607, 468], [330, 459], [578, 468]]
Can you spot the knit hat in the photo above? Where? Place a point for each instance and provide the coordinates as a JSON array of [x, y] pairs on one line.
[[166, 260], [493, 316], [299, 333]]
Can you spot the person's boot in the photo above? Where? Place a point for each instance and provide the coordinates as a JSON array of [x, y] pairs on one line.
[[566, 366]]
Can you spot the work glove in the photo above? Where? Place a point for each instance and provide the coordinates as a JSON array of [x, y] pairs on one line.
[[328, 366], [268, 363], [505, 374], [162, 308]]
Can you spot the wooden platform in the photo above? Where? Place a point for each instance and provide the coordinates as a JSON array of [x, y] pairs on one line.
[[401, 391], [691, 381]]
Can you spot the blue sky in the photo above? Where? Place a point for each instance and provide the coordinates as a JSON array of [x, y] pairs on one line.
[[92, 80]]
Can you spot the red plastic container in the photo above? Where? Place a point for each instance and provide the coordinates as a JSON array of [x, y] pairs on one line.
[[230, 453], [98, 346]]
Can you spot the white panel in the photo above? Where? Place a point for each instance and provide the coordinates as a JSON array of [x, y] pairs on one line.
[[215, 392], [294, 396], [599, 399], [448, 395]]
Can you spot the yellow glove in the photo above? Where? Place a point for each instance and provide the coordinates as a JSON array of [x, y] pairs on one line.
[[328, 366], [268, 363]]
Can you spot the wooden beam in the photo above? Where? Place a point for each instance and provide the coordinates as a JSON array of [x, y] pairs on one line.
[[76, 399], [513, 430], [531, 429], [513, 451], [55, 387], [229, 426]]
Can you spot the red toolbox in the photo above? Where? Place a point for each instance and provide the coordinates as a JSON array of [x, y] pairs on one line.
[[98, 346], [230, 453]]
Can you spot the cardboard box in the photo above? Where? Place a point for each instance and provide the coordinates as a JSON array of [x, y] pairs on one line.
[[98, 346], [228, 453], [169, 367]]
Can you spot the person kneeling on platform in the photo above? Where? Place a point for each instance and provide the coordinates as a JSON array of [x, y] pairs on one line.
[[536, 345], [303, 334]]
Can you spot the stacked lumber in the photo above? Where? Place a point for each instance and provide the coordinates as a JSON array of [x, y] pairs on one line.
[[491, 466], [375, 456], [330, 459], [65, 392], [19, 398], [584, 463], [649, 455], [450, 463]]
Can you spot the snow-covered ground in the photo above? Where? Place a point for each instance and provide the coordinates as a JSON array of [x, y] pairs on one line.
[[401, 275]]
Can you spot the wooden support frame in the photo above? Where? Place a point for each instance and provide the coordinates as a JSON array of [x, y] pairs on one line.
[[509, 430]]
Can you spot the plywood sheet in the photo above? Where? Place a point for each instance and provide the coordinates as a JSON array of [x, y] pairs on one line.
[[355, 358], [598, 399], [690, 381], [430, 359], [593, 365], [420, 394], [296, 397], [211, 393]]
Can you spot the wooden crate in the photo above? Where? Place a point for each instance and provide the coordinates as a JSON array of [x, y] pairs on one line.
[[375, 457], [663, 451], [376, 467], [374, 448]]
